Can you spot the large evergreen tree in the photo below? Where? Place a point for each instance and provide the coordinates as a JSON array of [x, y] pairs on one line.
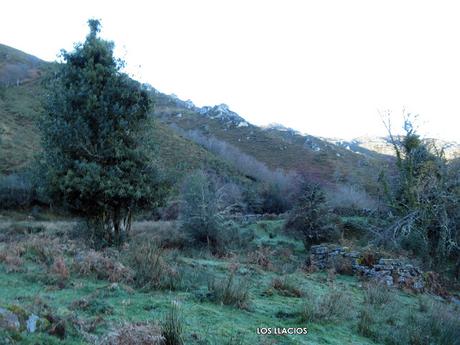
[[95, 138]]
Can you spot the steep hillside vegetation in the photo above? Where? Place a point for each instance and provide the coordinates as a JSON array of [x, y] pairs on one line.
[[20, 107], [277, 147]]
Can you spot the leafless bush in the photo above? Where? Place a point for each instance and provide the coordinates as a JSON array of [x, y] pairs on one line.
[[42, 250], [103, 267], [350, 197], [285, 182], [59, 268], [263, 257], [230, 198], [343, 266]]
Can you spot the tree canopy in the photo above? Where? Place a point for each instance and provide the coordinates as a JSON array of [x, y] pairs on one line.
[[96, 138]]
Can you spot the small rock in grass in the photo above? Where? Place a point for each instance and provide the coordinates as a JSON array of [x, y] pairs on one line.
[[32, 323], [9, 320]]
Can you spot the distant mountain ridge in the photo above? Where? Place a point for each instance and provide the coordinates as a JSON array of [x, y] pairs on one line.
[[383, 145]]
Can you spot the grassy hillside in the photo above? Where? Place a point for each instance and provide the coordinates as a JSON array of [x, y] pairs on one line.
[[17, 67], [20, 106], [19, 109], [321, 161]]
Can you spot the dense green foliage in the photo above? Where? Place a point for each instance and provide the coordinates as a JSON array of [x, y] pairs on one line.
[[94, 131], [426, 199]]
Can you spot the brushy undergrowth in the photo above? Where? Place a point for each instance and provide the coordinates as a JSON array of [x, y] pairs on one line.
[[230, 291], [333, 306], [286, 287], [151, 267], [172, 328]]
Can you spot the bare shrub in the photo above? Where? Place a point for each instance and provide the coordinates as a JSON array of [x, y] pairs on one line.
[[310, 220], [150, 266], [11, 257], [286, 287], [199, 212], [353, 198], [41, 250], [166, 234], [262, 256], [59, 268], [332, 306], [102, 267], [170, 211], [369, 258], [434, 284]]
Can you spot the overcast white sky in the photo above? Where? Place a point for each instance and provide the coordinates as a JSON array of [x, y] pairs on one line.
[[322, 67]]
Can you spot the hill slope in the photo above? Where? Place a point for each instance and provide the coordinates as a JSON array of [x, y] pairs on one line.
[[20, 106], [277, 147]]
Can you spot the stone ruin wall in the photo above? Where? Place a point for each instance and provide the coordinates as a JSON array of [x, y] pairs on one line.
[[392, 272]]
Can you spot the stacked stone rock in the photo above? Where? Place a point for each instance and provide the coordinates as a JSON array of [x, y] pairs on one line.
[[392, 272]]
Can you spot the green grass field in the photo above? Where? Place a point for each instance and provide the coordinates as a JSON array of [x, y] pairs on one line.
[[91, 305]]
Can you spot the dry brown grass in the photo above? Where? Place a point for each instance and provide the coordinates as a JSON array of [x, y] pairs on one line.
[[286, 287], [152, 266], [262, 256], [11, 257], [59, 268], [101, 266], [134, 334], [42, 249]]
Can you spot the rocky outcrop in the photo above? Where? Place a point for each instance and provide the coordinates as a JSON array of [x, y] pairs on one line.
[[392, 272], [223, 113], [9, 320]]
